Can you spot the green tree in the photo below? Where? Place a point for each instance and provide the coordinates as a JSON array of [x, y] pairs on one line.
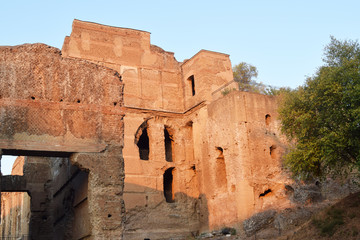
[[245, 75], [322, 118]]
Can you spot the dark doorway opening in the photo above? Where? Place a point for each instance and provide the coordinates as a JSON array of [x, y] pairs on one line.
[[143, 145], [168, 185], [168, 146]]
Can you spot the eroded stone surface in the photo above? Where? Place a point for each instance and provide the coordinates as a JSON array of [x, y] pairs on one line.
[[194, 160], [51, 106]]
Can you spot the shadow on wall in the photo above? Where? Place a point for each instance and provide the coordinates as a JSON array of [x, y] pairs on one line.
[[150, 214], [56, 206]]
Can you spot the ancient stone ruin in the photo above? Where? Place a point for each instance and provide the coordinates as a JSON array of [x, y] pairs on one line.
[[119, 140]]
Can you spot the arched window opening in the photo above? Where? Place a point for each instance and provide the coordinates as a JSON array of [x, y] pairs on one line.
[[142, 141], [191, 83], [221, 179], [168, 185], [143, 145], [267, 119], [168, 145]]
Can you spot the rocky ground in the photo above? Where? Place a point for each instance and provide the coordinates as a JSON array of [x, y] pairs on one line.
[[328, 221], [339, 221]]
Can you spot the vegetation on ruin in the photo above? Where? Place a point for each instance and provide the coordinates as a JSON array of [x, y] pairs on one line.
[[322, 117], [245, 75]]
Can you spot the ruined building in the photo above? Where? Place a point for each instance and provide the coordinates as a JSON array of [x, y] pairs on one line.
[[122, 141]]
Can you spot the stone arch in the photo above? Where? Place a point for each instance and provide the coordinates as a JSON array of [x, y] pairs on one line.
[[168, 183], [142, 141]]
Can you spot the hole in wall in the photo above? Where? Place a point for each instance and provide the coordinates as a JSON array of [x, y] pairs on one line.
[[32, 97], [142, 141], [191, 83], [273, 152], [267, 119], [221, 178], [78, 101], [168, 185], [168, 145], [193, 167], [265, 193], [143, 145], [220, 151], [289, 188], [61, 100], [109, 215], [115, 103]]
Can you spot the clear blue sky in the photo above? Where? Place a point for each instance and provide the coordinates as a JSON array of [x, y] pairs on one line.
[[284, 39]]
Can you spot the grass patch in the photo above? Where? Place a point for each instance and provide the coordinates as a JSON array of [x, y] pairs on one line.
[[328, 225], [226, 91]]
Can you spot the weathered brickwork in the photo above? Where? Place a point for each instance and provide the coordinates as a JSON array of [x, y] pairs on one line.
[[136, 143], [56, 109]]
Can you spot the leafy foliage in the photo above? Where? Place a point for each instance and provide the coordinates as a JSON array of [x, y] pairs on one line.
[[245, 75], [323, 116], [226, 91]]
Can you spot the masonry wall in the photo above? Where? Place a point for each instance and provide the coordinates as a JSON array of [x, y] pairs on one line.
[[209, 71], [151, 75], [51, 105], [194, 160], [239, 175], [156, 93], [148, 213], [15, 209], [70, 203]]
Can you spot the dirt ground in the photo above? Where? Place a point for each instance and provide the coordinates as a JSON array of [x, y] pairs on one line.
[[340, 221]]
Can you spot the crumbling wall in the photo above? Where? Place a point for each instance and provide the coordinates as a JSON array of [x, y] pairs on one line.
[[239, 155], [151, 75], [50, 104], [161, 196], [157, 93], [202, 164]]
